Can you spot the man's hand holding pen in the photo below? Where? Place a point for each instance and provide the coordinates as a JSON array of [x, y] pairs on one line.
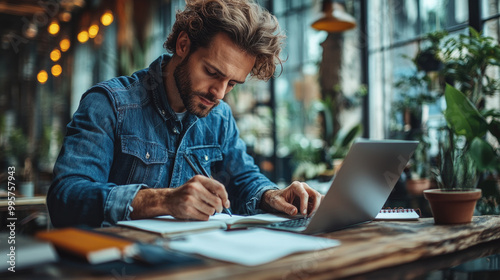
[[197, 199], [200, 170]]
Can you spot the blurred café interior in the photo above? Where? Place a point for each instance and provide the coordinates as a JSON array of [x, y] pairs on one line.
[[371, 73]]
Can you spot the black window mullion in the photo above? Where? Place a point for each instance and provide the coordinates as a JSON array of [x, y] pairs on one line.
[[475, 15]]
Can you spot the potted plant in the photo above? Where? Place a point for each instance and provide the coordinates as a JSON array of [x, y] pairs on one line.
[[18, 153], [409, 122], [314, 162], [466, 156], [419, 169], [427, 59]]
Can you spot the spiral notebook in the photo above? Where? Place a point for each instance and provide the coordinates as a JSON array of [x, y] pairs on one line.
[[397, 214]]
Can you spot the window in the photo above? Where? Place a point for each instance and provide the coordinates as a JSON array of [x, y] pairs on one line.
[[396, 28], [281, 120]]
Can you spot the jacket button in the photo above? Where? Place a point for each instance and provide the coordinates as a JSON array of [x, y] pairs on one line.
[[147, 155], [176, 131], [206, 158], [163, 112]]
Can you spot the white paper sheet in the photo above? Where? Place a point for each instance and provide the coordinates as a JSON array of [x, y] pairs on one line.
[[250, 247], [258, 218], [168, 225], [167, 228]]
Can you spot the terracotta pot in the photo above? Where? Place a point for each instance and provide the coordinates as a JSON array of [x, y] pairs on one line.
[[452, 207], [417, 186]]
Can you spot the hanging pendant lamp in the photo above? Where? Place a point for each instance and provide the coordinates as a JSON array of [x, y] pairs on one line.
[[335, 18]]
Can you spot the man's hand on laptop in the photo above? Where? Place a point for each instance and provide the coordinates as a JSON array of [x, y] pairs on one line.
[[298, 198]]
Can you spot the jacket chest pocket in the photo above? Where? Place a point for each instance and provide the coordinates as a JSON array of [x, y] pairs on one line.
[[147, 161], [205, 156]]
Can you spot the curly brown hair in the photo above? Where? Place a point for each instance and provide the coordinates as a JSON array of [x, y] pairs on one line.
[[249, 26]]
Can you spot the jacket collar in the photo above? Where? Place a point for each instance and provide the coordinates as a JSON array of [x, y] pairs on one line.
[[158, 87], [159, 91]]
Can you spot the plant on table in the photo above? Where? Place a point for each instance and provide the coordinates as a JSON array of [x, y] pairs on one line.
[[466, 154]]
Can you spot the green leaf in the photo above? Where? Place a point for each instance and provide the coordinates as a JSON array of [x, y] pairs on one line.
[[491, 113], [355, 131], [494, 128], [462, 116], [483, 154], [474, 33]]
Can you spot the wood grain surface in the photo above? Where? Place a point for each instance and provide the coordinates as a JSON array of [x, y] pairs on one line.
[[365, 248]]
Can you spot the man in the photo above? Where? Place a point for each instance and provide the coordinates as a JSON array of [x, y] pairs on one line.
[[126, 151]]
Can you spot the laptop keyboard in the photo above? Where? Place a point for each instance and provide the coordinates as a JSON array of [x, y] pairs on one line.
[[301, 222]]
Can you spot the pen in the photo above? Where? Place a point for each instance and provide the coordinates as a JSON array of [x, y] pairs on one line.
[[203, 172]]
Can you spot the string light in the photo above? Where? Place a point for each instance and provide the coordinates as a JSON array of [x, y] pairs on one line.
[[55, 55], [93, 30], [83, 36], [53, 28], [107, 18], [42, 77], [56, 70], [64, 44], [65, 16]]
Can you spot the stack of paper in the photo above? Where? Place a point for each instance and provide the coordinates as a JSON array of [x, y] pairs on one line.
[[249, 247], [168, 225]]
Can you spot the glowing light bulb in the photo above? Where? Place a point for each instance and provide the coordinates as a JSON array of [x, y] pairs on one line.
[[65, 16], [42, 77], [83, 36], [55, 55], [64, 44], [93, 30], [53, 28], [107, 18], [56, 70]]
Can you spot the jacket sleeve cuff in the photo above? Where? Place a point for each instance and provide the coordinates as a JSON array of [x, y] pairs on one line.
[[252, 206], [118, 204]]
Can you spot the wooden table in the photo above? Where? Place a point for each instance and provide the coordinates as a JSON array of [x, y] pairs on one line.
[[388, 249], [375, 250], [24, 207], [23, 202]]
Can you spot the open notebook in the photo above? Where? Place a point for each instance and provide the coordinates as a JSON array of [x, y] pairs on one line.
[[168, 225]]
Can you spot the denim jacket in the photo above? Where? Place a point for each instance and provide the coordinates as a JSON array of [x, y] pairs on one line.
[[125, 137]]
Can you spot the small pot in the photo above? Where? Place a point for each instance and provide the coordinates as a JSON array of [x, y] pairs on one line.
[[27, 189], [416, 187], [452, 207]]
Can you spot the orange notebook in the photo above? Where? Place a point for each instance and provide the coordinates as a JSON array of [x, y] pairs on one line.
[[94, 247]]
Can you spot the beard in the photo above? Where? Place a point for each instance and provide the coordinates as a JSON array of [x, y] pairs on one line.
[[188, 95]]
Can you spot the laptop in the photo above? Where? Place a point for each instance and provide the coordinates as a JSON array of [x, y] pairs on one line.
[[360, 188]]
